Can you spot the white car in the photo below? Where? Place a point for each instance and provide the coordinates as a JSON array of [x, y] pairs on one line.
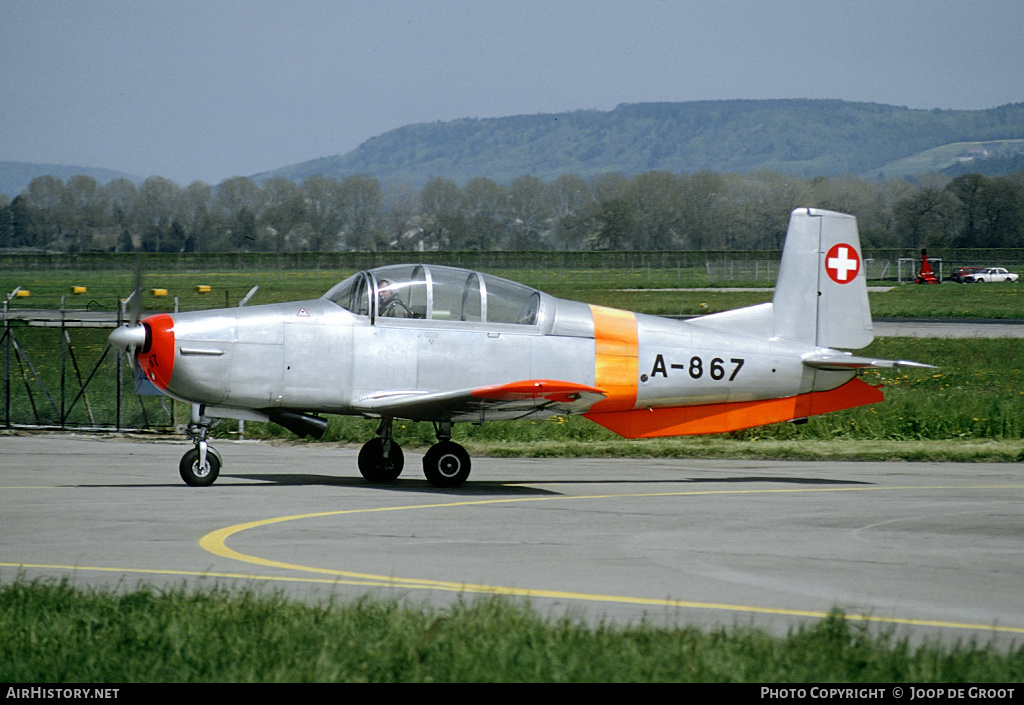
[[993, 274]]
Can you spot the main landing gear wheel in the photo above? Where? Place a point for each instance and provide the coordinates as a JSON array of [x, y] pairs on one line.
[[193, 474], [446, 464], [375, 467]]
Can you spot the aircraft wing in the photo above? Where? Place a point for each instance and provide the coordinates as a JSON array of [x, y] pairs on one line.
[[845, 361], [513, 400]]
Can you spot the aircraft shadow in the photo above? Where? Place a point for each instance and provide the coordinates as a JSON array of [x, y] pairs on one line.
[[707, 480], [513, 487], [788, 480], [272, 480], [504, 488], [702, 481], [400, 485]]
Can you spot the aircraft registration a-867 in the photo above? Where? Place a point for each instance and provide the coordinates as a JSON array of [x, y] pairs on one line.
[[447, 345]]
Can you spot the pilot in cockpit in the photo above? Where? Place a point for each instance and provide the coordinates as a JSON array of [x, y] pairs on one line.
[[389, 304]]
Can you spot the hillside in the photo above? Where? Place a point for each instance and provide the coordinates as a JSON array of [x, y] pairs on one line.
[[996, 157], [16, 176], [803, 138]]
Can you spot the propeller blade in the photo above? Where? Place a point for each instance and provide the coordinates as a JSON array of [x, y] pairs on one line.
[[136, 311], [131, 337]]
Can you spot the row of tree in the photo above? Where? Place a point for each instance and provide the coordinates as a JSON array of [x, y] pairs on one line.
[[655, 210]]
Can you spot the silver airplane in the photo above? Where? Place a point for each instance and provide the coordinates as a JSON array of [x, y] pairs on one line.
[[446, 345]]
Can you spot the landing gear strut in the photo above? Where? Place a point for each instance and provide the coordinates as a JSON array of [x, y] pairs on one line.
[[200, 466], [381, 459], [447, 463]]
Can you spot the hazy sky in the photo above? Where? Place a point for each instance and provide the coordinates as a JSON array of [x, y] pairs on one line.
[[208, 89]]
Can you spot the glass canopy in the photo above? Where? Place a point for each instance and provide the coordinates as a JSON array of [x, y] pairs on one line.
[[435, 292]]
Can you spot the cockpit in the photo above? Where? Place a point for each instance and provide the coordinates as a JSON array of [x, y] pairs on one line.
[[437, 293]]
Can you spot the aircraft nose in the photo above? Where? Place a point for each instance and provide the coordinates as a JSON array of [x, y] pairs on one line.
[[156, 354], [128, 337]]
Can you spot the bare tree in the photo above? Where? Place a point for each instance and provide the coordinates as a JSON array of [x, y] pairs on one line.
[[360, 210]]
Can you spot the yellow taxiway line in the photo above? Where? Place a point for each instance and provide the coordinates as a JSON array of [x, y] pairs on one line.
[[216, 542]]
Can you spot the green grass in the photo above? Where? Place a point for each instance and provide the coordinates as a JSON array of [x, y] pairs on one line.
[[960, 301], [951, 300], [105, 289], [36, 388], [634, 290], [57, 633]]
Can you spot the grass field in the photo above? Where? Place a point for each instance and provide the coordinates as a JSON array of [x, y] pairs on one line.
[[55, 633], [656, 292]]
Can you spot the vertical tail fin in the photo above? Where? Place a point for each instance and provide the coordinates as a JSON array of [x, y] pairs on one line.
[[821, 295]]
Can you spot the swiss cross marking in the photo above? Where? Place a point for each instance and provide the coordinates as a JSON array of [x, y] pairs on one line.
[[842, 263]]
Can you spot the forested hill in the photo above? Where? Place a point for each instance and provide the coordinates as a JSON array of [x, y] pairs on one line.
[[802, 138]]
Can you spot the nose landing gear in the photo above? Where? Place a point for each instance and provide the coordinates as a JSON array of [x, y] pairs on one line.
[[200, 466]]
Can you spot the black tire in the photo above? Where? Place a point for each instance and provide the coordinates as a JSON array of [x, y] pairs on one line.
[[193, 475], [446, 464], [374, 468]]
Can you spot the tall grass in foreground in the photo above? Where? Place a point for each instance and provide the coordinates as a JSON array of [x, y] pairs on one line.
[[54, 632]]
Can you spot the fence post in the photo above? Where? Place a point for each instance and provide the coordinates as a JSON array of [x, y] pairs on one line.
[[63, 357], [117, 371], [7, 356], [7, 369]]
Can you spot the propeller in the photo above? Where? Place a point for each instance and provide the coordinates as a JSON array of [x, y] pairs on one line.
[[136, 297], [132, 337]]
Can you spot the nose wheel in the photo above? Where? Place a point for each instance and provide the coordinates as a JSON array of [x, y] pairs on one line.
[[196, 474], [200, 466]]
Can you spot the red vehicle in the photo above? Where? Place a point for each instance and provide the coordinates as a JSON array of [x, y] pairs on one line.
[[964, 274]]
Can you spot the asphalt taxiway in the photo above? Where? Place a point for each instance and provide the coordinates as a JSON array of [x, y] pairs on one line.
[[921, 548]]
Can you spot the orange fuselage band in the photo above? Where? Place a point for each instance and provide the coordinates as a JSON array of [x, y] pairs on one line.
[[616, 368]]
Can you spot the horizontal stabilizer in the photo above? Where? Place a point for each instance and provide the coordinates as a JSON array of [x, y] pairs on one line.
[[836, 360]]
